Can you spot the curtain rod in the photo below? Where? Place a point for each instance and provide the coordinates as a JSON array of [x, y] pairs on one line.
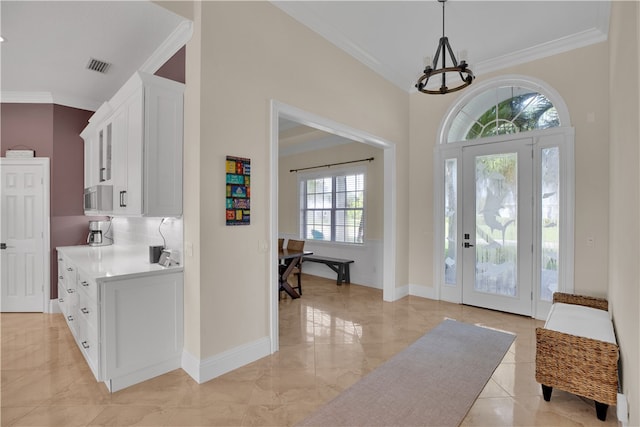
[[370, 159]]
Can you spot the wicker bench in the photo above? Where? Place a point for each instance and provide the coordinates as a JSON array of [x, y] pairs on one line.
[[576, 351], [339, 265]]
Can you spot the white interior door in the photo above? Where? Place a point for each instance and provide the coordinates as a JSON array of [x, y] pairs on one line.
[[497, 235], [24, 236]]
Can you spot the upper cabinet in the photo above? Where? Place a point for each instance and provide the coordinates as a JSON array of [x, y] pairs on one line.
[[137, 147]]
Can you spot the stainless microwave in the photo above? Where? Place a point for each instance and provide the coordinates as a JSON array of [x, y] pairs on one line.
[[98, 198]]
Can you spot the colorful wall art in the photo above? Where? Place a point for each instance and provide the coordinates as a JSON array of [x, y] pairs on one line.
[[238, 191]]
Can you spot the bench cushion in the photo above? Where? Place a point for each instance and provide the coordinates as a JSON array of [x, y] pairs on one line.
[[581, 321]]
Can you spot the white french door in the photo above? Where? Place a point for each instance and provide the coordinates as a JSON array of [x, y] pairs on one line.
[[497, 230], [504, 221]]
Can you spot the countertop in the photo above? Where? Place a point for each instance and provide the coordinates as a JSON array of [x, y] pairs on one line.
[[102, 263]]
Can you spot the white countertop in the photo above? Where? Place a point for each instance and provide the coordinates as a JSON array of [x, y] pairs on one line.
[[103, 262]]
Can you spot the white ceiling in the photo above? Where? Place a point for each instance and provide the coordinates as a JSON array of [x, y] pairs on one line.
[[394, 37], [49, 43]]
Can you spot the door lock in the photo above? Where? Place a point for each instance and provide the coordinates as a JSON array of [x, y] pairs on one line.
[[468, 245]]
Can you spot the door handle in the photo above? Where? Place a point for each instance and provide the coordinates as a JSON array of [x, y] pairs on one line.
[[468, 245], [3, 246]]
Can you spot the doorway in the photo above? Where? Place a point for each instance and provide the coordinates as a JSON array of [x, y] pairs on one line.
[[24, 234], [280, 110], [497, 235]]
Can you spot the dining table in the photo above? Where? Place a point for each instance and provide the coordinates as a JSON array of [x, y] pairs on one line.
[[288, 260]]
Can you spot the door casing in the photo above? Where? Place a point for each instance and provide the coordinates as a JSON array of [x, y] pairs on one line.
[[562, 137], [47, 306]]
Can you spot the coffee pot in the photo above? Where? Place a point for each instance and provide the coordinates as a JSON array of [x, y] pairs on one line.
[[97, 231]]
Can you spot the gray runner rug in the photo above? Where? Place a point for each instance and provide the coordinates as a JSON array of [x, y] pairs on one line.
[[433, 382]]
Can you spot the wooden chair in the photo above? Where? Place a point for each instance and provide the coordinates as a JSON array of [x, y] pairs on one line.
[[280, 244], [297, 245]]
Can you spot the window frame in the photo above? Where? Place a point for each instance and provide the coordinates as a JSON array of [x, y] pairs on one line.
[[332, 173]]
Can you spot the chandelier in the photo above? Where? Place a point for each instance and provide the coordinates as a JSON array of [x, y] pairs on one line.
[[459, 68]]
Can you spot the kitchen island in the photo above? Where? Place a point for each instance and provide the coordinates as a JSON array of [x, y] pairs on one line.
[[125, 313]]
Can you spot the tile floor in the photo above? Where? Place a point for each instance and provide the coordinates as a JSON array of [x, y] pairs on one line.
[[329, 339]]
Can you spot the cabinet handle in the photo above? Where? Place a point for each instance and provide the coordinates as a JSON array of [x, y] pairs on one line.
[[84, 310], [85, 345], [69, 269], [70, 290], [84, 283], [70, 318], [60, 299], [123, 199], [60, 277]]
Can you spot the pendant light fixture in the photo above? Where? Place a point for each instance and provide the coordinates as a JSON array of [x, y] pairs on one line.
[[456, 69]]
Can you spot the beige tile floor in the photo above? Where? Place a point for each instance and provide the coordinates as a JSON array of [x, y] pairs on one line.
[[329, 339]]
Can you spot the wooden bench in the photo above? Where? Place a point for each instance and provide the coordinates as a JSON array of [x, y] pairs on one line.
[[339, 265], [576, 351]]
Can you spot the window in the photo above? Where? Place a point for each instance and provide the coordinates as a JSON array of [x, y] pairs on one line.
[[332, 207], [501, 111]]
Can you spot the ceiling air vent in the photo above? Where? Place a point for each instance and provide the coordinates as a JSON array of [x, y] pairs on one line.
[[98, 65]]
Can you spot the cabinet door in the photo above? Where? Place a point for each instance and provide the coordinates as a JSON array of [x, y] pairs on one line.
[[105, 152], [127, 188], [162, 192], [91, 161]]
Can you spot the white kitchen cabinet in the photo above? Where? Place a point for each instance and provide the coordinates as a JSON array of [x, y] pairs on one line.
[[129, 327], [98, 148], [146, 133]]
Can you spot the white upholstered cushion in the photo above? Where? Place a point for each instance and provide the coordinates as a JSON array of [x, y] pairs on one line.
[[581, 321]]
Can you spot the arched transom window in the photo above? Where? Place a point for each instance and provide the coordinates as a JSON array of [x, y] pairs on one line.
[[503, 110]]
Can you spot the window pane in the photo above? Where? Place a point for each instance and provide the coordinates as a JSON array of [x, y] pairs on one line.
[[450, 220], [550, 238], [501, 111], [345, 206]]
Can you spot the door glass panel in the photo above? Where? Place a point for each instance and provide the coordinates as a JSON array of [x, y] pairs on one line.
[[496, 226], [450, 220], [550, 238]]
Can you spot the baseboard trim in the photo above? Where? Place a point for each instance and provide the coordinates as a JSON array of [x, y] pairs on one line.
[[204, 370], [423, 291], [54, 307], [116, 384]]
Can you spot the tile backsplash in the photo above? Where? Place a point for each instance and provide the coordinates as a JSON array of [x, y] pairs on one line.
[[149, 231]]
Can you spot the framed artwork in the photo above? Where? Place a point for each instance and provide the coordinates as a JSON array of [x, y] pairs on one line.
[[238, 208]]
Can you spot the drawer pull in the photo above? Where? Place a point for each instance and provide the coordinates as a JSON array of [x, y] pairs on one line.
[[60, 299], [61, 277], [70, 318], [69, 269], [84, 283], [85, 345], [70, 290], [84, 310]]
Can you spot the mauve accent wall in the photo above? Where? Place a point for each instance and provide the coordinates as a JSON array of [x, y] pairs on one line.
[[174, 68], [53, 131], [27, 126]]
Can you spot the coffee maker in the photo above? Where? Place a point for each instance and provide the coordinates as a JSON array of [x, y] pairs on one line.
[[97, 233]]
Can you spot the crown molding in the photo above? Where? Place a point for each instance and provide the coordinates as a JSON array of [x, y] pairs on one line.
[[9, 97], [178, 38], [544, 50]]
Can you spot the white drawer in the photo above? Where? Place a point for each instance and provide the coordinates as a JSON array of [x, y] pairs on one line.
[[88, 342], [63, 298], [72, 321], [90, 287], [69, 275], [88, 310]]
